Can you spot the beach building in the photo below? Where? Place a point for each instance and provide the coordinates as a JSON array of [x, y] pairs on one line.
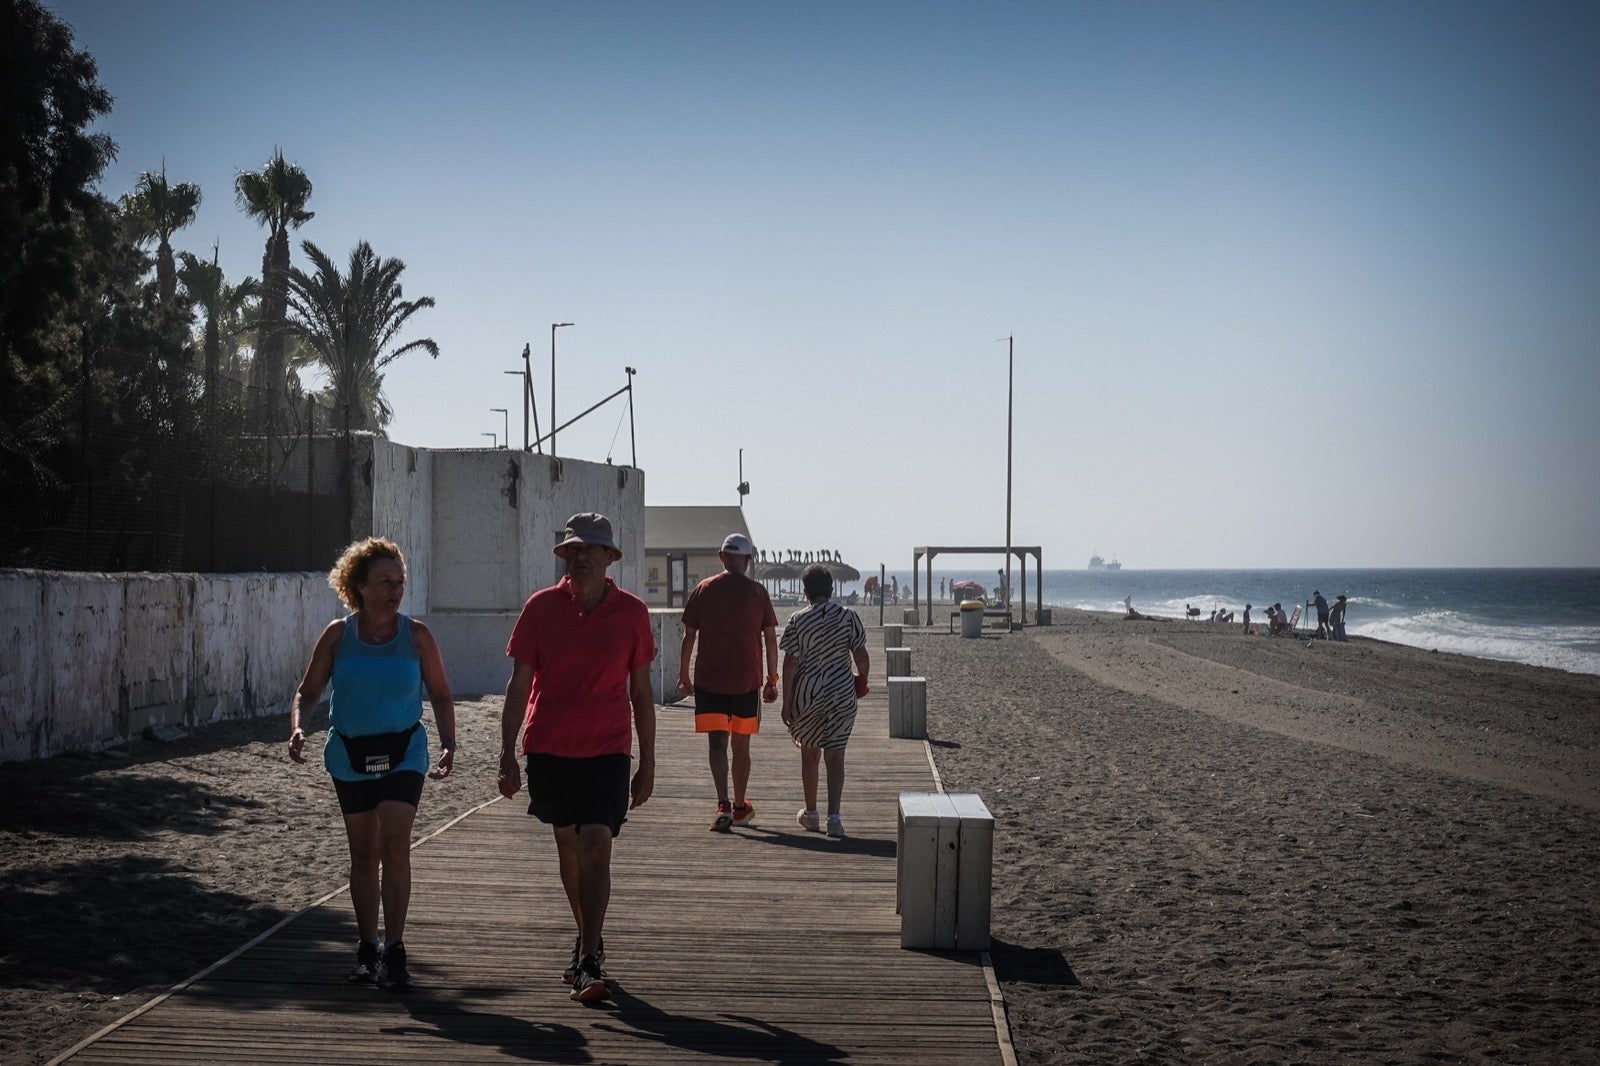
[[680, 548]]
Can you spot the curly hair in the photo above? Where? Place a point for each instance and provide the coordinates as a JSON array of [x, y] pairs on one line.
[[350, 572]]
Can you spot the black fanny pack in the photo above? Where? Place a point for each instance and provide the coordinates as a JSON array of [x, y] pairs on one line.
[[378, 753]]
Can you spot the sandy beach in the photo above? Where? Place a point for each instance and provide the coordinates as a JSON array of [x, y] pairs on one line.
[[1209, 848]]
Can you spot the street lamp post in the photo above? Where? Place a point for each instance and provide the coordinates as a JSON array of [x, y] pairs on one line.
[[492, 437], [553, 423], [507, 419]]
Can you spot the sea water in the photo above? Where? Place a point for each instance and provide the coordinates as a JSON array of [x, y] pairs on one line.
[[1545, 617]]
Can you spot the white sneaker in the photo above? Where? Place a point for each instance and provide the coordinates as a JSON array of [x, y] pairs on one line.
[[809, 821], [835, 827]]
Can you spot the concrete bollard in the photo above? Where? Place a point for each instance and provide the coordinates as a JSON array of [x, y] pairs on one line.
[[1042, 616], [908, 616], [893, 635], [897, 662], [943, 870], [908, 707]]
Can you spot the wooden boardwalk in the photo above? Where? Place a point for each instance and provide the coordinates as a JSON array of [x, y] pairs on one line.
[[766, 945]]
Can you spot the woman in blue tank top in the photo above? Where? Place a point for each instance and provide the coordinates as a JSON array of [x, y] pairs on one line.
[[379, 662]]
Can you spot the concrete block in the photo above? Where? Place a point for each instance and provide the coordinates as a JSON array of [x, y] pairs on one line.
[[908, 707], [974, 870], [943, 870], [925, 870], [897, 662], [893, 635]]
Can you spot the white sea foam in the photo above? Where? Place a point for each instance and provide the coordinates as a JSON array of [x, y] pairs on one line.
[[1560, 647]]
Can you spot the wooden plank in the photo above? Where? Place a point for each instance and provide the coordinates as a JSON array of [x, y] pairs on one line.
[[761, 945]]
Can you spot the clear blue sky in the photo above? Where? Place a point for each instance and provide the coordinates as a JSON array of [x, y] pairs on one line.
[[1291, 284]]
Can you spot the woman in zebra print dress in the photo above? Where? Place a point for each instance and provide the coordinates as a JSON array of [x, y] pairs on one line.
[[819, 690]]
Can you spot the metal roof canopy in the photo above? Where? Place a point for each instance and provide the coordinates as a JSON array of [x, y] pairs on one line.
[[1019, 551]]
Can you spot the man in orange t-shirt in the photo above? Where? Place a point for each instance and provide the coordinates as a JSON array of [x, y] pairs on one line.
[[732, 615]]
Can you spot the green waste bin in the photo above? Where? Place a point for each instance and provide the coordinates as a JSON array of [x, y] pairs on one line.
[[972, 618]]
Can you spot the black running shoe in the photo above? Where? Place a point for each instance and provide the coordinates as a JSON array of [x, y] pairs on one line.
[[392, 973], [589, 983], [572, 967], [366, 971]]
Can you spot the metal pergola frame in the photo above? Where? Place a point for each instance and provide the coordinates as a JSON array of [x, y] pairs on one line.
[[1021, 552]]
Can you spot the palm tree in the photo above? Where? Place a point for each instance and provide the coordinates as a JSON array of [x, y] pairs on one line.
[[275, 196], [223, 307], [159, 209], [352, 320]]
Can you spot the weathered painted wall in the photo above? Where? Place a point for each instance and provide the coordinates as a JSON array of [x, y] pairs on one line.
[[91, 659]]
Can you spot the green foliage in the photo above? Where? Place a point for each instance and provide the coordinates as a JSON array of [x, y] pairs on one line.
[[275, 196], [157, 209], [352, 320]]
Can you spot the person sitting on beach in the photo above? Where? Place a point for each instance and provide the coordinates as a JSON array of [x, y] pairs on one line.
[[1280, 620], [1127, 601]]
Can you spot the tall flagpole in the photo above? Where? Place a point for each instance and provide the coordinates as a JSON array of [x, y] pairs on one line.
[[1010, 358]]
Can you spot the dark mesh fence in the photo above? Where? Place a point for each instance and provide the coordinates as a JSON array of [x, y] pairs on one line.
[[222, 499]]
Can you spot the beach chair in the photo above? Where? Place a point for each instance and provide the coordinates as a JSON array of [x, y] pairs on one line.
[[1294, 621]]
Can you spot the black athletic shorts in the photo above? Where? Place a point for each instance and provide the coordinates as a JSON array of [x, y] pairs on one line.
[[358, 797], [593, 791], [721, 712]]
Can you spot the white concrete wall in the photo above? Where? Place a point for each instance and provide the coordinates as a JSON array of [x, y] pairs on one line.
[[476, 544], [667, 628], [496, 517], [473, 646], [87, 660], [402, 510], [90, 659]]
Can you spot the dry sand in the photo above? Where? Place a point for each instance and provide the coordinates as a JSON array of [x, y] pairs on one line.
[[1210, 848], [1213, 848]]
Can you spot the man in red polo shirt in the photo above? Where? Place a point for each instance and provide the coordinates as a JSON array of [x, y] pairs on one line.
[[579, 688], [731, 615]]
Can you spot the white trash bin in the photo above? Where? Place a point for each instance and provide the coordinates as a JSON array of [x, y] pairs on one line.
[[972, 618]]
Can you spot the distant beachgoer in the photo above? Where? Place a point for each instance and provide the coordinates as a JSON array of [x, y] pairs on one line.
[[1280, 620], [1322, 613], [380, 662], [1247, 630], [941, 588], [820, 691], [1336, 618]]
